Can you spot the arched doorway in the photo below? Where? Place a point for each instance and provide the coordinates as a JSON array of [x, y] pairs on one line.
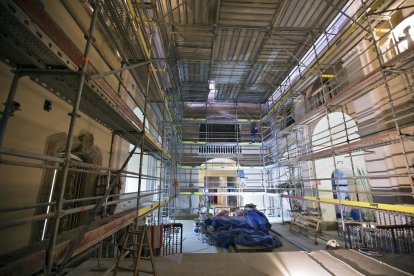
[[336, 129], [220, 175]]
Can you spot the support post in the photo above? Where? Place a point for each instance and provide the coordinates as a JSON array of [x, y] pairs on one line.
[[162, 158], [142, 144], [74, 115], [9, 106]]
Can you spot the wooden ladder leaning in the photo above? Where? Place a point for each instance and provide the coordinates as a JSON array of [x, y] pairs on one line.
[[140, 240]]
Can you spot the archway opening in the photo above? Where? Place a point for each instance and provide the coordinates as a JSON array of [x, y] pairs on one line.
[[337, 173], [220, 178]]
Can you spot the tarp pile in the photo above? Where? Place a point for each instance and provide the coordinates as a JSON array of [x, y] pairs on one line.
[[250, 229]]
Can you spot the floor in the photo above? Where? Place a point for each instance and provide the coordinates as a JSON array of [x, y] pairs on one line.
[[194, 243], [402, 262], [340, 262], [223, 264], [308, 259], [303, 242], [298, 242]]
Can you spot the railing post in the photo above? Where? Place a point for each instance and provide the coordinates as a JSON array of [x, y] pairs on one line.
[[393, 241]]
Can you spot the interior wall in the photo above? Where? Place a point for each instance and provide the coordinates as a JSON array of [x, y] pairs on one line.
[[75, 30], [390, 160], [29, 127], [387, 161], [27, 130]]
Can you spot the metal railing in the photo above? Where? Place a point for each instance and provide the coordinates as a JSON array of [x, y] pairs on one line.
[[397, 239], [172, 239], [212, 149]]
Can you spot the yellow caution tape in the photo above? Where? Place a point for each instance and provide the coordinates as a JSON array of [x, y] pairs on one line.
[[377, 206]]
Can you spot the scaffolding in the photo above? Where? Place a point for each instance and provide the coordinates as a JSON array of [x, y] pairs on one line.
[[344, 68], [250, 142], [124, 113], [366, 83]]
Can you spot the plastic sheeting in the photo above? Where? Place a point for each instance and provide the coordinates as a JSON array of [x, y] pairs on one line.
[[250, 229]]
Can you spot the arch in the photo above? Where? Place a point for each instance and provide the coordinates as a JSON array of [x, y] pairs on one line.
[[220, 163], [343, 129], [339, 128]]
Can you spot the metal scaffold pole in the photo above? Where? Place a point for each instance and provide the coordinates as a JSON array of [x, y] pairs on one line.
[[238, 134], [69, 142], [163, 138], [142, 144], [10, 107], [351, 158]]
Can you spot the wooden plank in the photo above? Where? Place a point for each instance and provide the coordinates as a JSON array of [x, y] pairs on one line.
[[308, 223]]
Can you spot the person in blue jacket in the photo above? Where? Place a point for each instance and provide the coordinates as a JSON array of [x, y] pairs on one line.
[[253, 132]]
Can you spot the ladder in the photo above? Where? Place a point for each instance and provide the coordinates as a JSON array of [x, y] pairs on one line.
[[140, 240]]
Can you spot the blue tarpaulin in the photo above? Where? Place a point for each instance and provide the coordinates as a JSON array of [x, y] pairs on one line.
[[250, 229]]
